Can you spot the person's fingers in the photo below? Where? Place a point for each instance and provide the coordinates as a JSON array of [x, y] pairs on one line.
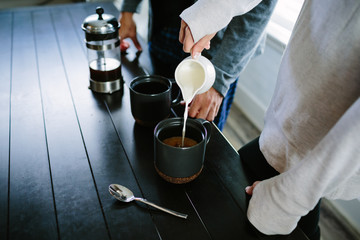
[[212, 114], [194, 109], [182, 31], [203, 113], [206, 105], [206, 112], [136, 43], [198, 111], [250, 189], [124, 45], [207, 47], [128, 29], [217, 108], [203, 43], [188, 41]]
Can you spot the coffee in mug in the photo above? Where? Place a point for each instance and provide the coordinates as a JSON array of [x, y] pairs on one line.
[[174, 163], [177, 142]]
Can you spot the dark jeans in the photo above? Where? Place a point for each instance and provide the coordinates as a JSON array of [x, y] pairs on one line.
[[225, 106], [257, 168]]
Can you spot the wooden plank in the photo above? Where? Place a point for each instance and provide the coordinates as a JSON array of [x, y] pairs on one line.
[[230, 203], [31, 207], [78, 208], [106, 154], [230, 169], [220, 213], [5, 88]]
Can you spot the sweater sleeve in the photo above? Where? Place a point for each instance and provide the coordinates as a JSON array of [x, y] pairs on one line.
[[130, 6], [331, 169], [209, 16], [242, 40]]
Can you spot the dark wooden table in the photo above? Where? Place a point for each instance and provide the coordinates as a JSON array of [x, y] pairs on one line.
[[61, 145]]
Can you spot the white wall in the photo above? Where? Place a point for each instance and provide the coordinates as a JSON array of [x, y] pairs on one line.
[[350, 210]]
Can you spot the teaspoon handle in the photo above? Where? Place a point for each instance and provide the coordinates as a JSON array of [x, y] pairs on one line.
[[177, 214]]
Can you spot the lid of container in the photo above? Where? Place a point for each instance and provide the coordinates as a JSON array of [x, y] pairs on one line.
[[100, 23]]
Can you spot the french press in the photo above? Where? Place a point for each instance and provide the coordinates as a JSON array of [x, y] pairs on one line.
[[103, 51]]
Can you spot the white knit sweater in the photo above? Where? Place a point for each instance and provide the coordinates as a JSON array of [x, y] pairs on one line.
[[312, 126]]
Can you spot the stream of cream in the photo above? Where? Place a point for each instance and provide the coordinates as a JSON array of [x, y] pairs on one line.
[[191, 80]]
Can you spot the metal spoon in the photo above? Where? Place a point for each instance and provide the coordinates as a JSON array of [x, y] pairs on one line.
[[124, 194]]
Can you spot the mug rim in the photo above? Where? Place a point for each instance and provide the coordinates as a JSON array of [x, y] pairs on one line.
[[147, 78], [180, 120], [179, 165]]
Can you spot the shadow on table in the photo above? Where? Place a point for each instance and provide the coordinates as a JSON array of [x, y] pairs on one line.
[[113, 101]]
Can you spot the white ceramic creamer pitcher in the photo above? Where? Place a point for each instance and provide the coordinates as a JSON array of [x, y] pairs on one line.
[[194, 76]]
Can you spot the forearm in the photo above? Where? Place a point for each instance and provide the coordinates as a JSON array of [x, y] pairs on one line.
[[238, 44]]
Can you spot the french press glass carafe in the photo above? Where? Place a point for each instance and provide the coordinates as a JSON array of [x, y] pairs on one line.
[[103, 51]]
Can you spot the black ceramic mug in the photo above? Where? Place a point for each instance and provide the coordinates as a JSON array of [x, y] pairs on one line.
[[151, 98], [173, 162]]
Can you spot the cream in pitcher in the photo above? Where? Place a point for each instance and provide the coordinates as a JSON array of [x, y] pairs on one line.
[[194, 76]]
